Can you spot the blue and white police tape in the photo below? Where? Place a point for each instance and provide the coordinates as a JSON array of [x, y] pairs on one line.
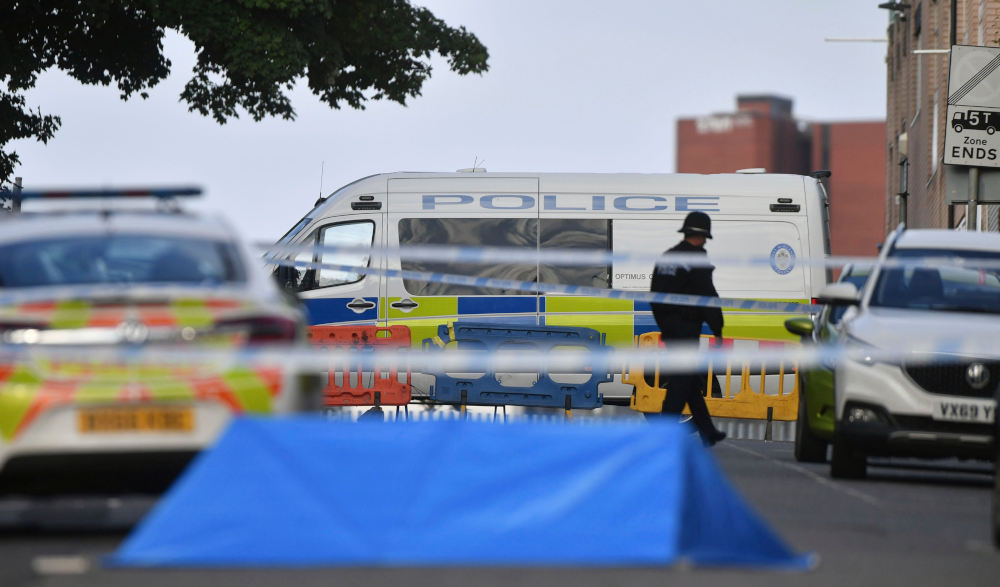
[[49, 361], [582, 290], [600, 257], [550, 256]]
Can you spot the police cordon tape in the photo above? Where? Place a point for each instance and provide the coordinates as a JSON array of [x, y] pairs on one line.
[[542, 287], [584, 257], [47, 358]]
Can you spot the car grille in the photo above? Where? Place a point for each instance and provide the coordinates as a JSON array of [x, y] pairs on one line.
[[950, 378]]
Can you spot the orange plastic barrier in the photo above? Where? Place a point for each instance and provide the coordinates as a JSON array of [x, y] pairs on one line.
[[369, 388]]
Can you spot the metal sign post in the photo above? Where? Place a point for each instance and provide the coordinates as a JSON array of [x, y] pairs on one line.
[[973, 117], [15, 201]]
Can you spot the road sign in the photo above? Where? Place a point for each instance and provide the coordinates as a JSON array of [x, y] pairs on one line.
[[973, 134]]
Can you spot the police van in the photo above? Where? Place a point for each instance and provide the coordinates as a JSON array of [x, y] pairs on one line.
[[781, 219]]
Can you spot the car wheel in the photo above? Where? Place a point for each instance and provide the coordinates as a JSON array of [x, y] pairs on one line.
[[847, 463], [808, 447]]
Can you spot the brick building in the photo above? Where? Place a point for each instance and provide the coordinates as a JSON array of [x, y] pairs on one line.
[[919, 35], [763, 133]]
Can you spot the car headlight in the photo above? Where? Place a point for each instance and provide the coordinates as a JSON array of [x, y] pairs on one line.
[[861, 352]]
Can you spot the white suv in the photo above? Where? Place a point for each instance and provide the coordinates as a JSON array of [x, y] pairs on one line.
[[924, 357]]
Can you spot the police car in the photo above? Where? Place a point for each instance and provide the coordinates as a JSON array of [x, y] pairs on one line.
[[923, 361], [80, 290]]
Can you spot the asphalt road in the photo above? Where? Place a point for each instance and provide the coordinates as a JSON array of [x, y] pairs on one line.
[[908, 524]]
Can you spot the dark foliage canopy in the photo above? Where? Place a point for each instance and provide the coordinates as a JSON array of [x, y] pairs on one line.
[[249, 54]]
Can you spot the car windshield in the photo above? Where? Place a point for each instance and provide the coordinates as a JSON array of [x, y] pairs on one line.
[[857, 276], [942, 280], [118, 258]]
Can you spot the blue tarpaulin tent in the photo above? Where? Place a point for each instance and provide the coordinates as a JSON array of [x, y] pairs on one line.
[[310, 492]]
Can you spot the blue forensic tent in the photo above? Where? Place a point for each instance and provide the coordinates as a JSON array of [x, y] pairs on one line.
[[310, 492]]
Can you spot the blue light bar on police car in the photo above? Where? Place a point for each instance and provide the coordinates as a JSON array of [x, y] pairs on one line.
[[164, 192]]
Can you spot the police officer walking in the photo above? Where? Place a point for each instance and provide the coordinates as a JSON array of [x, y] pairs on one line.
[[681, 325]]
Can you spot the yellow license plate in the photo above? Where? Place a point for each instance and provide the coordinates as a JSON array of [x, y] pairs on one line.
[[139, 419]]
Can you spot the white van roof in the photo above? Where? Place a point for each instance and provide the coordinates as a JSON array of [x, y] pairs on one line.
[[746, 185]]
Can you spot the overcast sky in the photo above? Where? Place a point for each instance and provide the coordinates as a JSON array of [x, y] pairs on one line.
[[573, 86]]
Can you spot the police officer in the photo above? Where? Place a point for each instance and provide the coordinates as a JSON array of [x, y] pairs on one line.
[[681, 325]]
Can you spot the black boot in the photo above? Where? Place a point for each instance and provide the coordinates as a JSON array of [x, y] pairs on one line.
[[710, 438]]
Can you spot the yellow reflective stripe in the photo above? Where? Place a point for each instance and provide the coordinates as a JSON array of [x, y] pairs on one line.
[[71, 314], [758, 326], [586, 304], [97, 391], [15, 401], [431, 306], [170, 389], [617, 328], [251, 391], [437, 341], [451, 331], [26, 375], [192, 312]]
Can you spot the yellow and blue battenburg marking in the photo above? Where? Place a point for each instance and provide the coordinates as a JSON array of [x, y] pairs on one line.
[[29, 389]]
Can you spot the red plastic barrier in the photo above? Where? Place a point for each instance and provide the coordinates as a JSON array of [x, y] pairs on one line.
[[377, 390]]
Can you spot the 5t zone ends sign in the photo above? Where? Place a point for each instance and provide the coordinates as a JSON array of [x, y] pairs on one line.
[[972, 137]]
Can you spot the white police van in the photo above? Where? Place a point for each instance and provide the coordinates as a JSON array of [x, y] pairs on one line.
[[782, 218]]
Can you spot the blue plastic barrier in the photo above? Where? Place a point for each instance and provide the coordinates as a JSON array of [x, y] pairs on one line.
[[307, 492], [535, 340]]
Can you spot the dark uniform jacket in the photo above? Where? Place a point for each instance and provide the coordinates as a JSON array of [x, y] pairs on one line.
[[685, 321]]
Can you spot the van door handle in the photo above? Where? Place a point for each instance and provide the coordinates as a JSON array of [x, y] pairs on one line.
[[405, 304], [360, 305]]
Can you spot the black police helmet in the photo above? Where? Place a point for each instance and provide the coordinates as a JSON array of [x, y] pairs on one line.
[[697, 223]]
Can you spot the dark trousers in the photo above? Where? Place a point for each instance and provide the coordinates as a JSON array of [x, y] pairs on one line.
[[685, 388]]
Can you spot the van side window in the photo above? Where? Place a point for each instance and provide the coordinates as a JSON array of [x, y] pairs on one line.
[[348, 234], [468, 232], [576, 233]]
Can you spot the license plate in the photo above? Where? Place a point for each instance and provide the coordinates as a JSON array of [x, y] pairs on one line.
[[139, 419], [956, 411]]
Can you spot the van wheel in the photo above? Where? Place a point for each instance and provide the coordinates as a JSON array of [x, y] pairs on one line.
[[808, 447], [846, 463], [990, 130], [958, 128]]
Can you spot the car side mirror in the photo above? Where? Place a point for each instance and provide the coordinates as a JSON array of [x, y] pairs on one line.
[[839, 294], [801, 326]]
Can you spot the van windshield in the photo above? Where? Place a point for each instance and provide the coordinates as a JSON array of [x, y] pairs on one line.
[[295, 230], [941, 280]]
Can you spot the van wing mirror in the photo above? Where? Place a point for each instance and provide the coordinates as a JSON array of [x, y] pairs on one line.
[[839, 294], [800, 326]]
